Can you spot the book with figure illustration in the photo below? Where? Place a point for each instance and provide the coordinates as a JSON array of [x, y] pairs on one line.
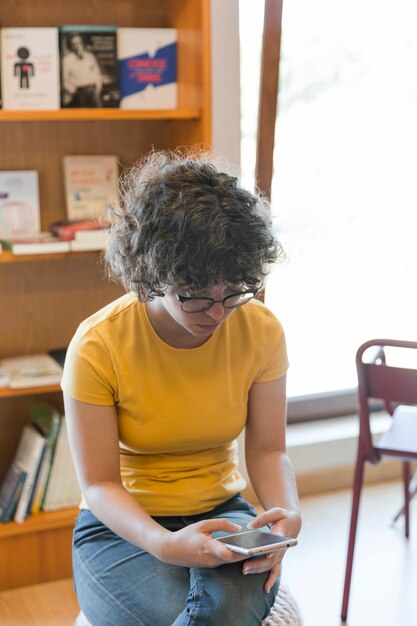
[[147, 68], [30, 68]]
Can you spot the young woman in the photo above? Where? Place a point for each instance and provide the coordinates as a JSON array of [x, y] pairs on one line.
[[158, 385]]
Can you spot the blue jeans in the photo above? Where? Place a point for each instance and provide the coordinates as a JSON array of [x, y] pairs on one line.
[[119, 584]]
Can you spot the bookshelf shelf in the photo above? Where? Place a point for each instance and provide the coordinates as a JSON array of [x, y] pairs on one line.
[[39, 523], [9, 257], [6, 392], [68, 115]]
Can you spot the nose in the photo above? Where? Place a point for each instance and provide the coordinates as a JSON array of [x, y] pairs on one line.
[[216, 312]]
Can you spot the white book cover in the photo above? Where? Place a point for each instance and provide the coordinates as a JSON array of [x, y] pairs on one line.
[[19, 203], [83, 245], [30, 68], [63, 490], [28, 457], [35, 370], [100, 234], [91, 185], [147, 68]]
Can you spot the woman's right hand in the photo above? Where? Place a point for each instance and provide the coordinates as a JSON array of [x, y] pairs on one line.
[[193, 546]]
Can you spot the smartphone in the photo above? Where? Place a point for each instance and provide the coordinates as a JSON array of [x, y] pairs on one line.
[[251, 542]]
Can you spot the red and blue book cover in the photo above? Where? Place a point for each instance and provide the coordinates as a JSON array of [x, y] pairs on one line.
[[147, 60]]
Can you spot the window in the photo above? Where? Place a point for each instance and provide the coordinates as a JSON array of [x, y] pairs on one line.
[[344, 195]]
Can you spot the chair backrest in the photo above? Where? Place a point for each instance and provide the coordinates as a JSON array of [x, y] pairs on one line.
[[379, 380]]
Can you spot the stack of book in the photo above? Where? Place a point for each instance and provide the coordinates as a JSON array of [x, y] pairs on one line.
[[41, 476], [82, 234]]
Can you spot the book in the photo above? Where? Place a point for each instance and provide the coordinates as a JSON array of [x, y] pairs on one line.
[[4, 377], [28, 457], [30, 68], [63, 490], [10, 491], [96, 234], [35, 370], [69, 229], [47, 420], [89, 70], [91, 185], [59, 355], [83, 245], [19, 203], [147, 68], [43, 243]]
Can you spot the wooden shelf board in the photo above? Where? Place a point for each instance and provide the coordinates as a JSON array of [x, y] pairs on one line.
[[8, 257], [98, 114], [7, 392], [39, 523]]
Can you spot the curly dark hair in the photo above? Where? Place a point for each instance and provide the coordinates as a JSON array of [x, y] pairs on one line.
[[183, 223]]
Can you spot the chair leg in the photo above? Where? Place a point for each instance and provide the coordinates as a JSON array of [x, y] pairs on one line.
[[406, 484], [357, 487]]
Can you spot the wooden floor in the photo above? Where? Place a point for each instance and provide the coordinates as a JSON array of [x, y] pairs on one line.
[[50, 604], [384, 578]]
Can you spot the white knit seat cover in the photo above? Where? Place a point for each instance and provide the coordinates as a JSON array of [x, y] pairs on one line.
[[285, 612]]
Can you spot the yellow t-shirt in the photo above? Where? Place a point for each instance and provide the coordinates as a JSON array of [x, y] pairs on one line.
[[179, 410]]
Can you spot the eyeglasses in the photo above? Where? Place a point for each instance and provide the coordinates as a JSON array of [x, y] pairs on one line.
[[235, 300]]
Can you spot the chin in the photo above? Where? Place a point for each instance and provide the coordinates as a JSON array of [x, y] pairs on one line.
[[207, 328]]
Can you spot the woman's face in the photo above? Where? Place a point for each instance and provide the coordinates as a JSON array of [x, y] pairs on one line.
[[203, 323]]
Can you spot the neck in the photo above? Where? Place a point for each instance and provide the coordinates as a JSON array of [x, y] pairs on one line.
[[167, 328]]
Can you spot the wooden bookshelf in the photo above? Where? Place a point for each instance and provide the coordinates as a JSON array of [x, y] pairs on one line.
[[7, 392], [37, 550], [44, 297], [8, 257], [39, 523], [68, 115]]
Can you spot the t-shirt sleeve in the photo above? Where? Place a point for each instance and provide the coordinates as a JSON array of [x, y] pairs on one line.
[[88, 371], [274, 358]]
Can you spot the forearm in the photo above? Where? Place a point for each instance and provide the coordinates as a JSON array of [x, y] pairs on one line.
[[113, 505], [273, 480]]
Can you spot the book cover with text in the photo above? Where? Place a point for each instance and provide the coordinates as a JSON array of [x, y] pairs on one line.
[[19, 204], [147, 68], [91, 185], [30, 68]]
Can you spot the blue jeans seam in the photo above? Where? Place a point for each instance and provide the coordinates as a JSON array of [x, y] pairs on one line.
[[103, 589]]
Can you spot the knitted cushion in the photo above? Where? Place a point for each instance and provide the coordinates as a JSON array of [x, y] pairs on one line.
[[285, 612]]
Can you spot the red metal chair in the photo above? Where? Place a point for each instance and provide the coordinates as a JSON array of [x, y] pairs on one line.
[[396, 386]]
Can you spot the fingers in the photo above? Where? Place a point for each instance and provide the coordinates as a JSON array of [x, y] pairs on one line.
[[274, 574], [268, 517], [212, 525]]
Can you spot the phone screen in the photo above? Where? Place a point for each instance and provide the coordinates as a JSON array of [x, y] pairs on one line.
[[253, 539]]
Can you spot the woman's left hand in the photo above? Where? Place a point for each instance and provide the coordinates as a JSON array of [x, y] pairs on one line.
[[282, 522]]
